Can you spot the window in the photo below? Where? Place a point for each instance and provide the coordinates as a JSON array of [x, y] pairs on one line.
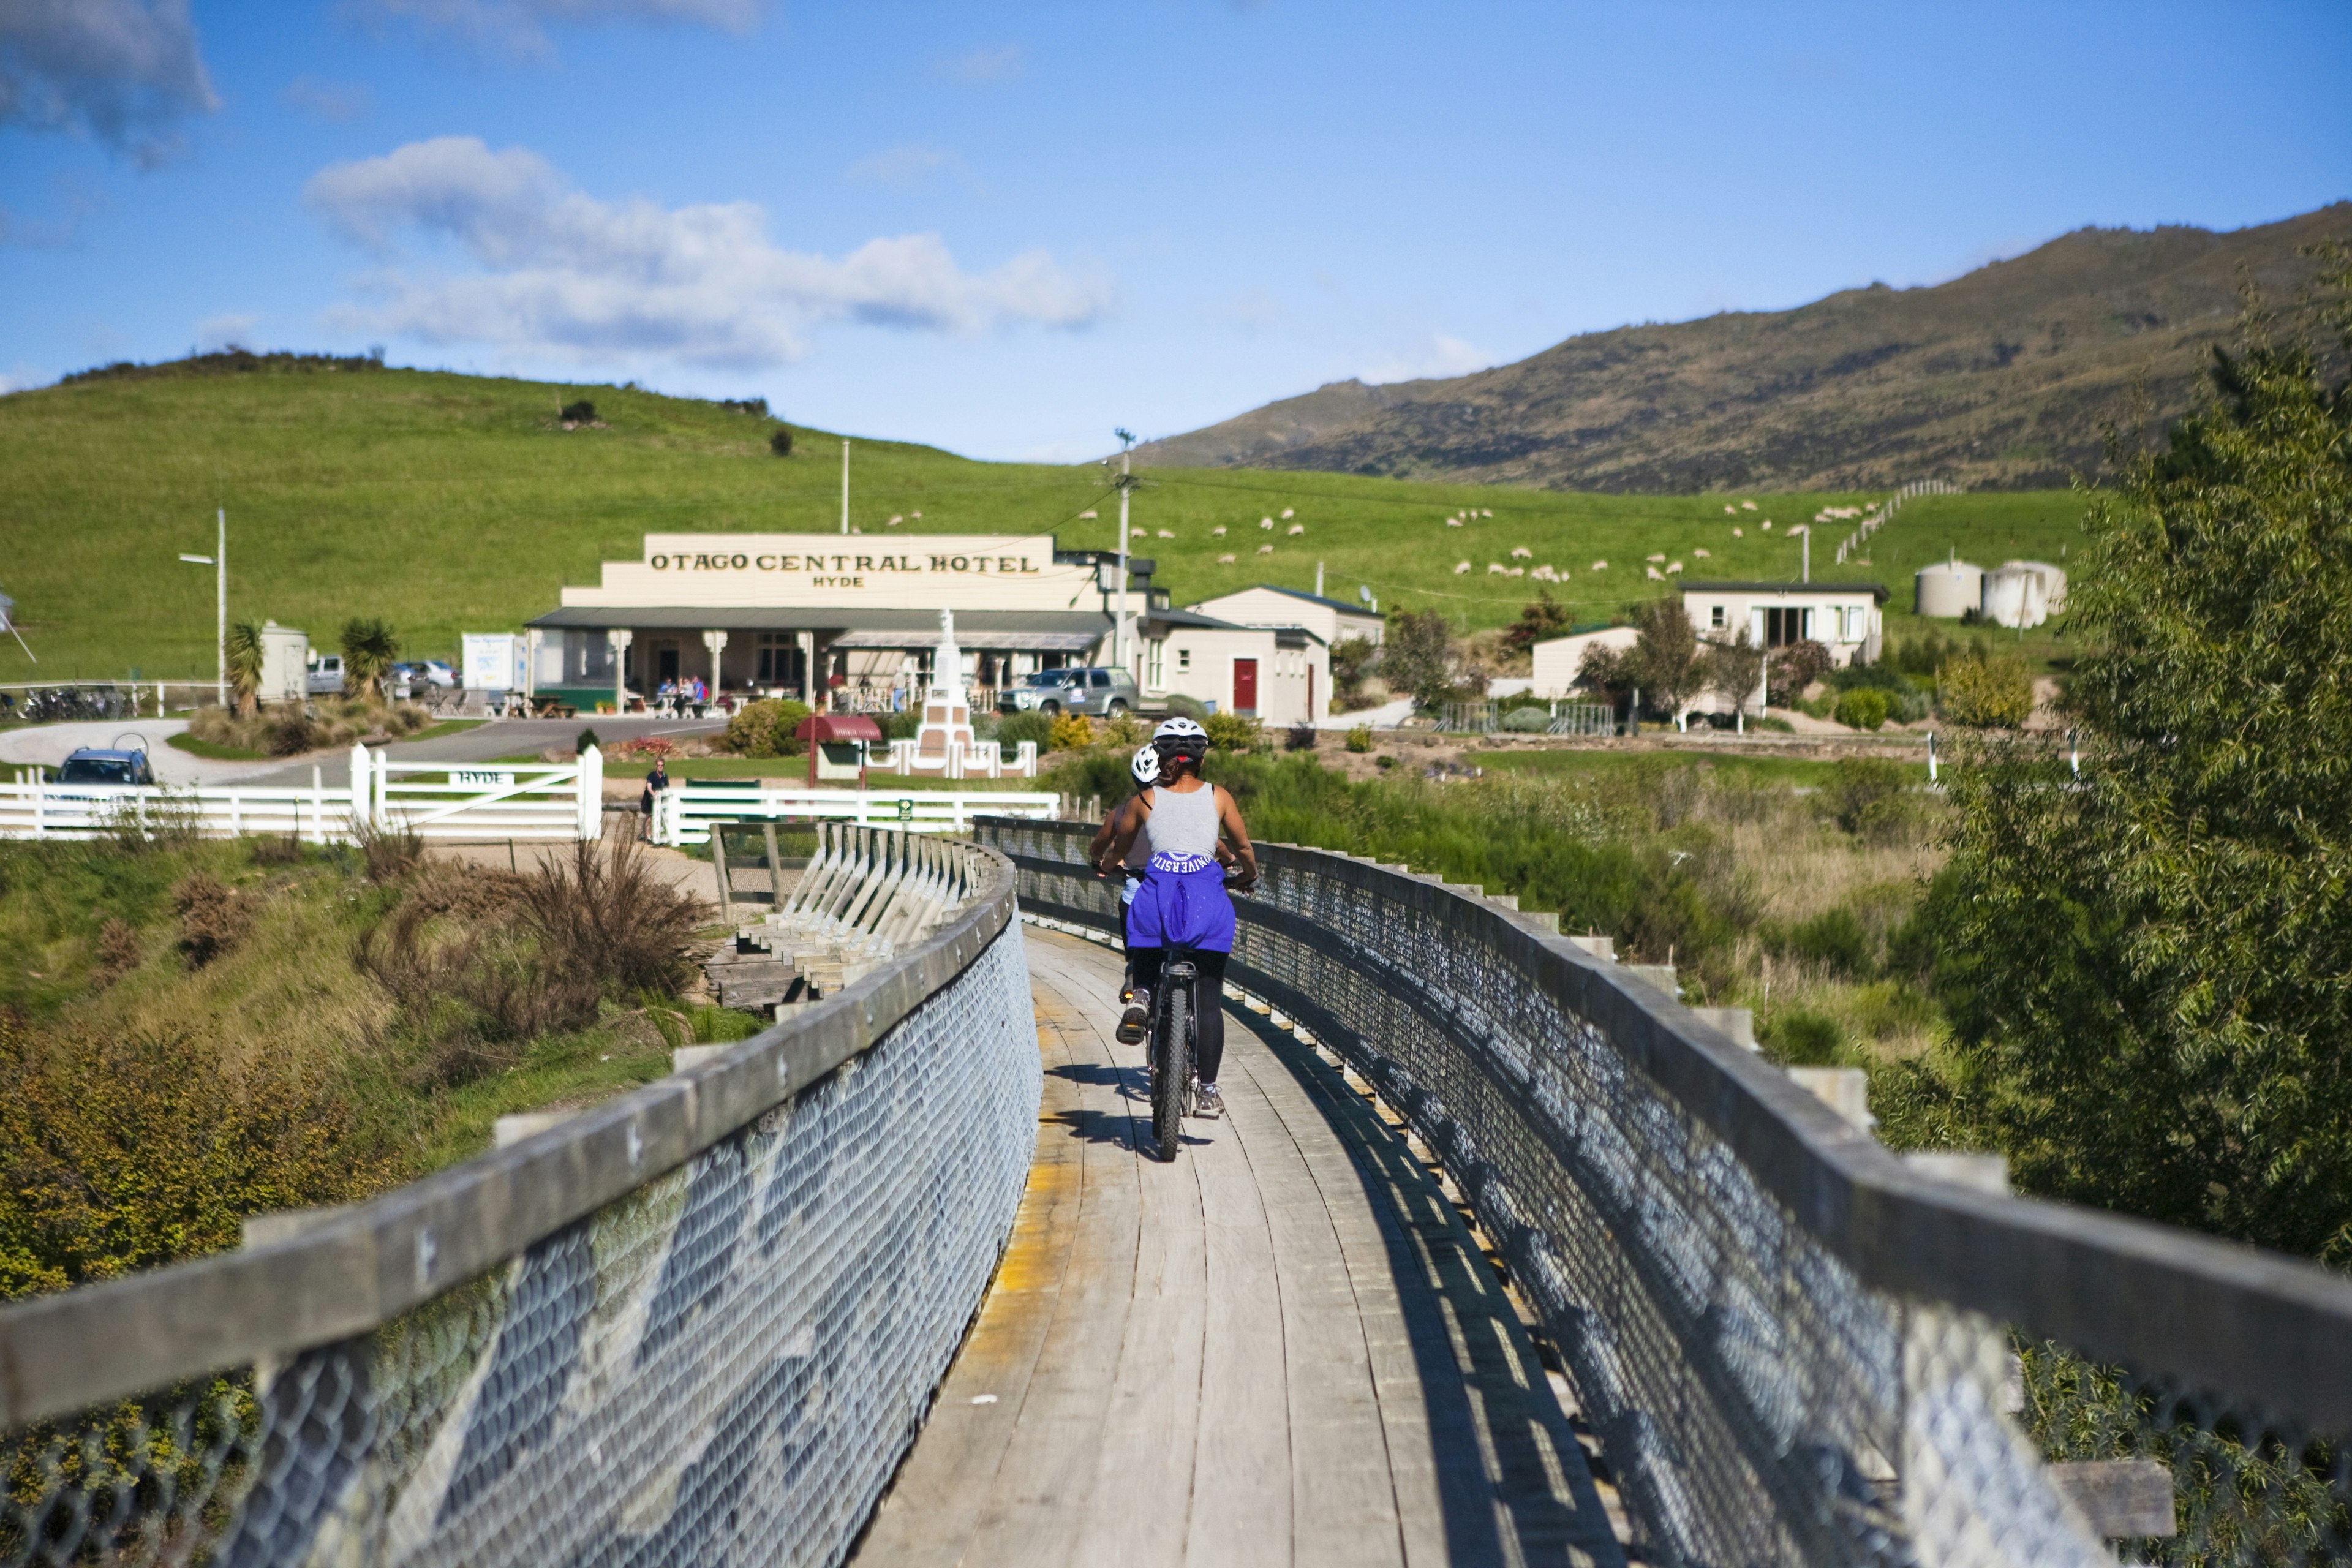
[[778, 656], [1716, 618], [1155, 663], [1099, 678], [1184, 659]]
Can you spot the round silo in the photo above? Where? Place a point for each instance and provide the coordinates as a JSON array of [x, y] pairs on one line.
[[2053, 583], [1947, 590], [2013, 597]]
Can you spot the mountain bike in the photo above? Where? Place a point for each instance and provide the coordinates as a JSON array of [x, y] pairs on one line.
[[1175, 1087]]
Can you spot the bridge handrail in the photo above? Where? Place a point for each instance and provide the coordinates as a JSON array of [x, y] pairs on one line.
[[1378, 962]]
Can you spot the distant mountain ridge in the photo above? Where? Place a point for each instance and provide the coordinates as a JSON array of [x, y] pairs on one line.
[[1999, 379]]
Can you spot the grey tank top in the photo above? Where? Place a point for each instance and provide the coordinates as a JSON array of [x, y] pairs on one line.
[[1183, 825]]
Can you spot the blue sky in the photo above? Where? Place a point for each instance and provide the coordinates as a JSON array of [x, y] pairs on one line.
[[1008, 229]]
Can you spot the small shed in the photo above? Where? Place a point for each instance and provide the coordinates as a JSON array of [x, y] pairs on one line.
[[837, 744], [285, 664]]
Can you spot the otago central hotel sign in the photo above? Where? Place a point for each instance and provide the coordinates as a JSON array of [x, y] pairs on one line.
[[918, 572]]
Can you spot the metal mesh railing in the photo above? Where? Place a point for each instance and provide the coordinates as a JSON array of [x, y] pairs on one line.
[[1794, 1348], [719, 1356]]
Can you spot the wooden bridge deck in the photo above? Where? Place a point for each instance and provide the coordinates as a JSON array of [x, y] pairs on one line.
[[1284, 1347]]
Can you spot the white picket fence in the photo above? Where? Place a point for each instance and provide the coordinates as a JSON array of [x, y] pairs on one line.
[[980, 759], [435, 800], [683, 811]]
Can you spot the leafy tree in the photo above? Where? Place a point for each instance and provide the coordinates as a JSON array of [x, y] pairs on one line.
[[1547, 617], [2149, 973], [1351, 661], [1794, 667], [1986, 690], [1733, 670], [369, 650], [780, 441], [245, 666], [1418, 656]]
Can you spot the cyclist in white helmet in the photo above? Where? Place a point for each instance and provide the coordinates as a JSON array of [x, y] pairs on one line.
[[1145, 766], [1185, 821]]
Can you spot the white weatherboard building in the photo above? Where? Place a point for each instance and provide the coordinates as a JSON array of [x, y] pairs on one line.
[[1267, 606], [1558, 659], [1844, 618], [851, 622]]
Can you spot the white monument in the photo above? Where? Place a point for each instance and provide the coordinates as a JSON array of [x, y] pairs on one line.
[[947, 707]]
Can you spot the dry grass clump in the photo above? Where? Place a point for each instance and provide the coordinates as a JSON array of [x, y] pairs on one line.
[[288, 729], [214, 918]]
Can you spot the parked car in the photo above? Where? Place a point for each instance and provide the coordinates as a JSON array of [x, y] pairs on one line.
[[325, 677], [104, 765], [1102, 694]]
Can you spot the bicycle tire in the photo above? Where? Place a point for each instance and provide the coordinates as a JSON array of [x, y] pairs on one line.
[[1173, 1062]]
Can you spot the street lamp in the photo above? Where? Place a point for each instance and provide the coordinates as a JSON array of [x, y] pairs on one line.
[[218, 561]]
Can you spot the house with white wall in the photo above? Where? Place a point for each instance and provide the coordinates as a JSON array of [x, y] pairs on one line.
[[1281, 675], [1267, 606], [1845, 618], [1558, 659]]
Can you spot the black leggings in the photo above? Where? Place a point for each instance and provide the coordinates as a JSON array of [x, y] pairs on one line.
[[1208, 1002]]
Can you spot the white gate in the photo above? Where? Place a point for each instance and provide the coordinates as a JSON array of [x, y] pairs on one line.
[[683, 811], [433, 800]]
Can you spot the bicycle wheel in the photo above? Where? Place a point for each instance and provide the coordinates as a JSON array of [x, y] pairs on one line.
[[1172, 1062]]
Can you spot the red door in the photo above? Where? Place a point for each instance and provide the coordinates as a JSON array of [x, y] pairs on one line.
[[1245, 687]]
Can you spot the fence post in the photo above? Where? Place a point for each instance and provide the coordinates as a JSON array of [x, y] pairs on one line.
[[363, 788], [591, 785]]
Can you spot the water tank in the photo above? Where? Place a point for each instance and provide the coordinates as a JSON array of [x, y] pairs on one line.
[[2053, 582], [2013, 597], [1947, 590]]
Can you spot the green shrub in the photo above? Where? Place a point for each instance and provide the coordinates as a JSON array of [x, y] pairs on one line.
[[1986, 691], [764, 729], [1527, 720], [1071, 732], [903, 726], [1015, 728], [1861, 787], [1190, 708], [1360, 739], [1834, 940], [1802, 1037], [1863, 709], [583, 740], [1232, 732]]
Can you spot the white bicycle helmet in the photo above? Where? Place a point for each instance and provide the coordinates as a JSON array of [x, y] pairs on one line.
[[1145, 765], [1178, 729]]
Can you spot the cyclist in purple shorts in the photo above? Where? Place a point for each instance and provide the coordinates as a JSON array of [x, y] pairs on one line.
[[1184, 821]]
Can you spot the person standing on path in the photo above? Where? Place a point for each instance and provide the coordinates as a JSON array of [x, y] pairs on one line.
[[656, 781]]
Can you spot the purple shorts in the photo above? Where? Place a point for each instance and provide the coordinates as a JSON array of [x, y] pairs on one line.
[[1181, 903]]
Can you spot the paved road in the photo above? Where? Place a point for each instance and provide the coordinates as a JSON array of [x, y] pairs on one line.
[[1283, 1348]]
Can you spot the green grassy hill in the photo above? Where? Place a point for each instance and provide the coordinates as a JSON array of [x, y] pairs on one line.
[[450, 503]]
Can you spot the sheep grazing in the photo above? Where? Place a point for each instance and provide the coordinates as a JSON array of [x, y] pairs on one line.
[[1653, 560], [1489, 513], [1767, 523], [1460, 567], [1297, 529], [1700, 554], [1265, 550], [1673, 567], [1738, 533], [1288, 512], [1496, 569], [1519, 571], [1265, 522], [1748, 506], [1219, 532], [1089, 512], [1224, 560], [1521, 553], [916, 515], [1653, 574], [1166, 534], [1452, 522], [1730, 510], [1600, 566]]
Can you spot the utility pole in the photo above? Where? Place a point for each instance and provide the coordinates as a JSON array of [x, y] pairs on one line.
[[1319, 579], [1126, 483], [218, 561], [844, 487], [1808, 567]]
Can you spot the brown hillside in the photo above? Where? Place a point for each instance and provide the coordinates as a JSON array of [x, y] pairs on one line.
[[1998, 379]]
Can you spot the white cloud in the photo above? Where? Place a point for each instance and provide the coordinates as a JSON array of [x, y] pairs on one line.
[[564, 274], [121, 70], [1437, 356], [976, 68], [229, 332], [908, 165], [517, 26], [336, 101]]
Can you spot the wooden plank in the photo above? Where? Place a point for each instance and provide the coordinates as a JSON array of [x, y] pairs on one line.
[[1047, 1482], [1343, 1497], [933, 1507], [1511, 1483]]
